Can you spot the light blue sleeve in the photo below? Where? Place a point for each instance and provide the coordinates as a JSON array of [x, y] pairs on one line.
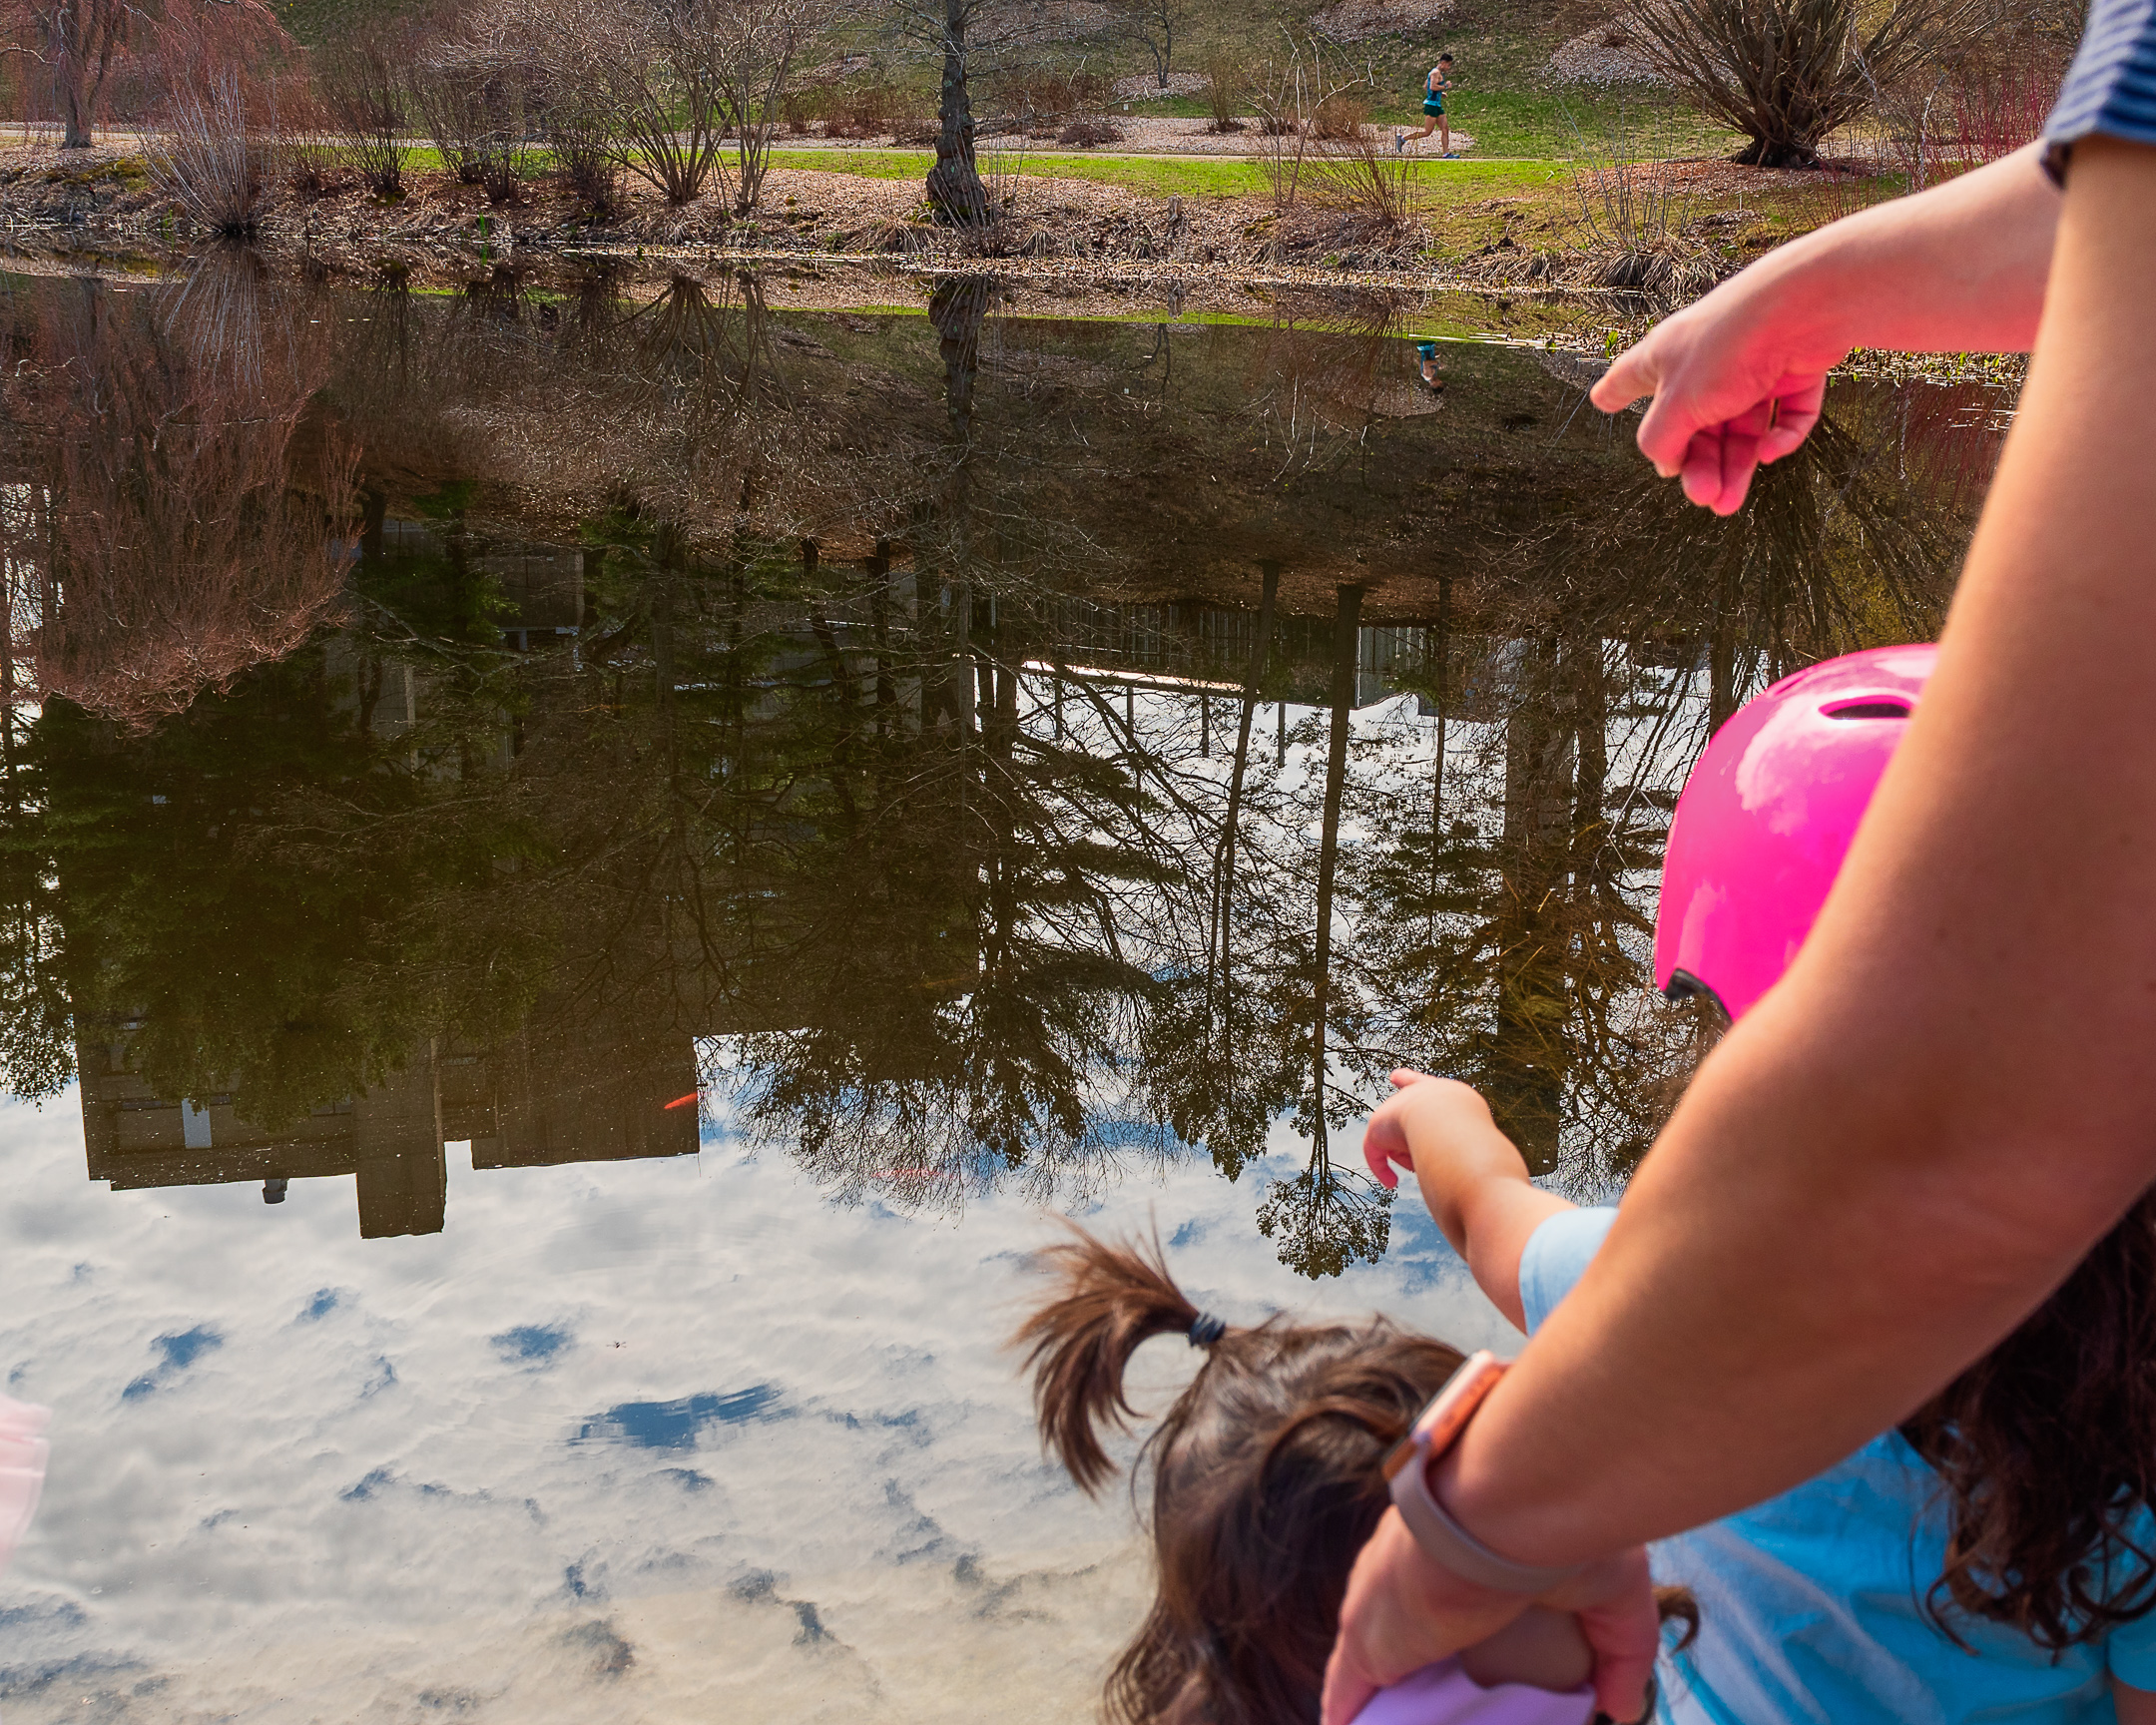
[[1557, 1255]]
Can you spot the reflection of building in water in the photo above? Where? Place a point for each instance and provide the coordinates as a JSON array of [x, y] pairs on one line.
[[552, 1095]]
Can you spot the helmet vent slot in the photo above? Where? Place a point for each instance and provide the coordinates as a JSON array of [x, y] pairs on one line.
[[1870, 709]]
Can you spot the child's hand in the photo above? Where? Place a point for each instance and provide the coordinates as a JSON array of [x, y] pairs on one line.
[[1472, 1176], [1435, 1104]]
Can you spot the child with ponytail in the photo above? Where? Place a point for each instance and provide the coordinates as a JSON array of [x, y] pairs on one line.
[[1269, 1474]]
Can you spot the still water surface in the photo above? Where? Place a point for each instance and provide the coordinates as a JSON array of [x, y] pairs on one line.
[[585, 864]]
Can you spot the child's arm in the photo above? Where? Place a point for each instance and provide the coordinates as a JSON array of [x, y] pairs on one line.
[[1472, 1178], [2135, 1706]]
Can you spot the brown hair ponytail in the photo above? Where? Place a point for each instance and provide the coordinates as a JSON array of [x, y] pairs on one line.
[[1112, 1298], [1267, 1478]]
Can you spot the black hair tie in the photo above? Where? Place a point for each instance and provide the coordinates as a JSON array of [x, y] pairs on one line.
[[1206, 1329]]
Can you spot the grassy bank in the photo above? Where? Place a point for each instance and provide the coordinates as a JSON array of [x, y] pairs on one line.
[[1166, 175]]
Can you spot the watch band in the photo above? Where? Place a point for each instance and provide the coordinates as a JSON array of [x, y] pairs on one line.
[[1444, 1540]]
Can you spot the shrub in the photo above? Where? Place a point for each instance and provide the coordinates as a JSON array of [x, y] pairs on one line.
[[1041, 98], [1088, 133], [861, 109], [585, 157], [1338, 119], [1227, 80], [476, 116], [304, 139], [213, 157], [1362, 177], [362, 91], [1786, 72], [1973, 110], [651, 71]]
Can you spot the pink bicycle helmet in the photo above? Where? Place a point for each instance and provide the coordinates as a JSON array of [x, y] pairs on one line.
[[1767, 817]]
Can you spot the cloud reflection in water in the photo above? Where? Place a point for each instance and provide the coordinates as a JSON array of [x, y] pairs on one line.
[[373, 1514]]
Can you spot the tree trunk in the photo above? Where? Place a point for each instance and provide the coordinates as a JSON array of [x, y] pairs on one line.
[[1444, 656], [81, 36], [1224, 862], [955, 191], [1347, 638], [956, 311]]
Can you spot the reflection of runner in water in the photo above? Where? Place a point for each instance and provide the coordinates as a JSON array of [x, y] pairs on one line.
[[1426, 363], [1433, 113]]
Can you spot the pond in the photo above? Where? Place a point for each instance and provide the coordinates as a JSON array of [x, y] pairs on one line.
[[590, 861]]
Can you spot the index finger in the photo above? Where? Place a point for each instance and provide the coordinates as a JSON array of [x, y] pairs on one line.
[[1633, 374]]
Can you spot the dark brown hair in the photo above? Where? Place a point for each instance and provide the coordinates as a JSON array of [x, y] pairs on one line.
[[2047, 1447], [1267, 1479]]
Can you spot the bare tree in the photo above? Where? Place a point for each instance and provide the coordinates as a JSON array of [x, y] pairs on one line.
[[364, 90], [1156, 25], [948, 29], [476, 112], [757, 42], [80, 42], [176, 552]]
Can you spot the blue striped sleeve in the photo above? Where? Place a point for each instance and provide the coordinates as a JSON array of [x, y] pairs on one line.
[[2112, 87]]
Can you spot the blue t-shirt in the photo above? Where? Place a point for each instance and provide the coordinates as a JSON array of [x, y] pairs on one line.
[[1811, 1604], [2111, 86]]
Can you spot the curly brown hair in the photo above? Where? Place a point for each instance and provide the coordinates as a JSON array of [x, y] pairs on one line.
[[1267, 1478], [2047, 1450]]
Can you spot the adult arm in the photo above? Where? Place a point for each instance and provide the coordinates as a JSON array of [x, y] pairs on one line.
[[1951, 1096], [1737, 377]]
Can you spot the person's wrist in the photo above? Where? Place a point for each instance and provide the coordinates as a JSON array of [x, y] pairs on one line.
[[1474, 1496]]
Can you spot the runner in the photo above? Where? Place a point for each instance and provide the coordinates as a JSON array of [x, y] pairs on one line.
[[1433, 113]]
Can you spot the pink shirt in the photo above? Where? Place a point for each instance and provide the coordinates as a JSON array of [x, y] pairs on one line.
[[1443, 1694]]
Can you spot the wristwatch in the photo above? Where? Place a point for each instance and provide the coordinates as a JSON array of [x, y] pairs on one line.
[[1444, 1540]]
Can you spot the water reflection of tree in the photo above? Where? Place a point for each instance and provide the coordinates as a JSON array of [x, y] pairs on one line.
[[820, 785], [177, 512], [1513, 951]]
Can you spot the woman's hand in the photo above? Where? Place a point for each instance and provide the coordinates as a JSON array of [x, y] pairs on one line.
[[1402, 1612]]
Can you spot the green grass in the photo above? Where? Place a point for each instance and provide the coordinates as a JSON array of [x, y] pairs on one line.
[[1163, 177], [424, 158]]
